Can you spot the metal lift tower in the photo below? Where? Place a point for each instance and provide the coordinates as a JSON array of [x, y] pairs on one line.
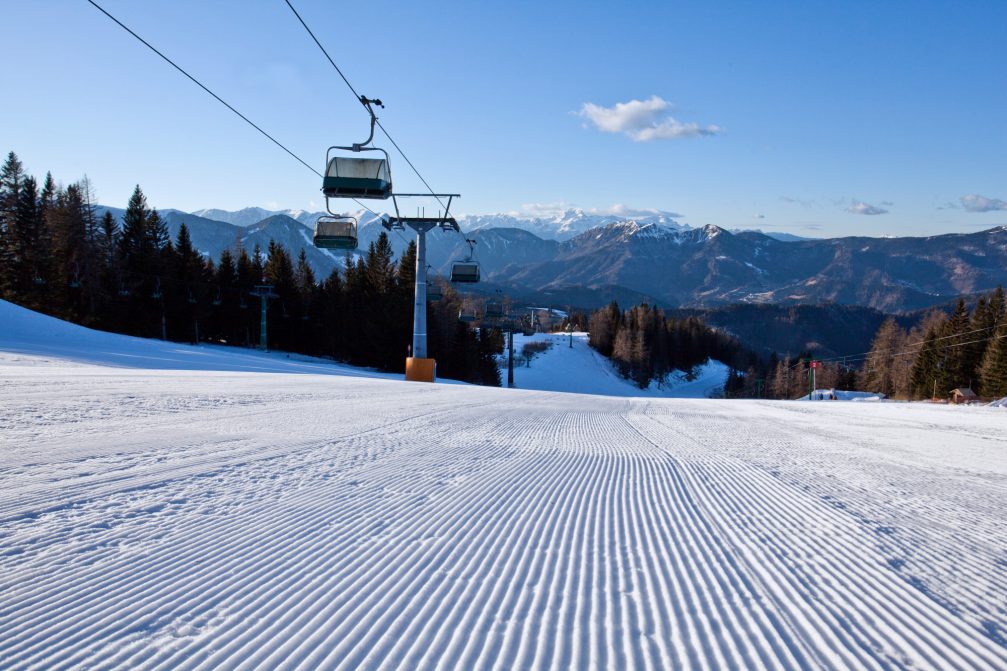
[[419, 367]]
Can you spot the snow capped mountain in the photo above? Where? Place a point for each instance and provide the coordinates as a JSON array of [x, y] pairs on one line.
[[584, 258], [250, 216], [563, 225]]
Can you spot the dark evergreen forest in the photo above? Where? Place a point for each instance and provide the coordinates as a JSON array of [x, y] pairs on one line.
[[59, 258]]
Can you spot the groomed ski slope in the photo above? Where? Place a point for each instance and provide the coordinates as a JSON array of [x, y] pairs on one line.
[[181, 519]]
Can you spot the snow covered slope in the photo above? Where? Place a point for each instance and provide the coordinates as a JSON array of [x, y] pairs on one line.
[[26, 332], [582, 370], [197, 519]]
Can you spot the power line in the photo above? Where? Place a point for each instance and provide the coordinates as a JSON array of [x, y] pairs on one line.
[[910, 352], [863, 356]]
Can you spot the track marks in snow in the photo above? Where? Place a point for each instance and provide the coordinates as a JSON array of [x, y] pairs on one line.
[[360, 524]]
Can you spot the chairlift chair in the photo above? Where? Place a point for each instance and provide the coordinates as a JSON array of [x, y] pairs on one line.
[[192, 298], [434, 292], [466, 315], [335, 232], [467, 271], [351, 177], [494, 310], [354, 177], [217, 301]]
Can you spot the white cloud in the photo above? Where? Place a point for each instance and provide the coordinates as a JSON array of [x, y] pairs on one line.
[[547, 210], [643, 120], [973, 202], [859, 207]]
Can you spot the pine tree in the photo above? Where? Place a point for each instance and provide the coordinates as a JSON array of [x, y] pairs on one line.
[[993, 370], [11, 177], [926, 373]]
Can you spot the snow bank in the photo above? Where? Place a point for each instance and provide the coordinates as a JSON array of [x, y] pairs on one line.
[[1002, 403], [582, 370], [843, 395]]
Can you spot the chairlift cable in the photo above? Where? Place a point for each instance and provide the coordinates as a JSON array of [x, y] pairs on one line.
[[360, 99], [202, 86], [218, 98]]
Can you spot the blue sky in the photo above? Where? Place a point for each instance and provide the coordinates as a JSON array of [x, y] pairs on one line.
[[802, 117]]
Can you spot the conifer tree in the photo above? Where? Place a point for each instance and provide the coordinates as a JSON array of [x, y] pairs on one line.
[[11, 178], [993, 370]]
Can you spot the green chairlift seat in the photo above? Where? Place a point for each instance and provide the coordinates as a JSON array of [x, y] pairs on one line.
[[494, 310], [351, 177], [465, 272], [336, 233]]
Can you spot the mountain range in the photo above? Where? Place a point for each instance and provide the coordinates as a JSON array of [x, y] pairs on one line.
[[584, 259]]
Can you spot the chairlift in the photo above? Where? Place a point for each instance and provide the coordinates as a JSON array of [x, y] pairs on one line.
[[123, 291], [242, 305], [434, 292], [354, 177], [217, 301], [494, 310], [467, 315], [192, 298], [156, 293], [74, 282], [467, 271], [336, 232]]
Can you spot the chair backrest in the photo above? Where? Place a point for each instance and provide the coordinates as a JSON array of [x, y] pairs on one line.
[[464, 271], [357, 168], [336, 228]]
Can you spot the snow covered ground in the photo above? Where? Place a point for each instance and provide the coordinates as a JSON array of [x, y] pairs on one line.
[[224, 519], [582, 370]]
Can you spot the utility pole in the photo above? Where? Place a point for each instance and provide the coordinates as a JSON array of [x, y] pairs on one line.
[[510, 359], [264, 292]]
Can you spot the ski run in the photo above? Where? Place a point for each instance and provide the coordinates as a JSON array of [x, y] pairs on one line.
[[241, 515]]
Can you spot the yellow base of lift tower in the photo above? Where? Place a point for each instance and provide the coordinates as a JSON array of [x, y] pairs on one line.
[[420, 370]]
